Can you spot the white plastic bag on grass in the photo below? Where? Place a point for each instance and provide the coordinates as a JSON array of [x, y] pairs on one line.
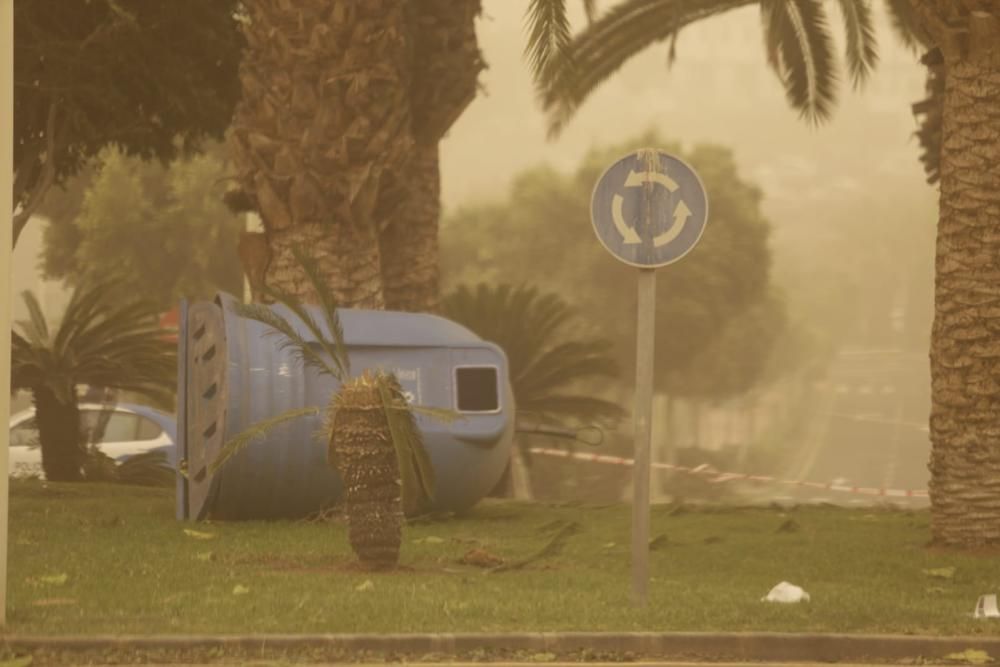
[[786, 592]]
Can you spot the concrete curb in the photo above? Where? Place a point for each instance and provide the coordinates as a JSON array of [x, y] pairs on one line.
[[785, 647]]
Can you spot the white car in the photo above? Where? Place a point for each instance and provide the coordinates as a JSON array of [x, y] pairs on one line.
[[131, 429]]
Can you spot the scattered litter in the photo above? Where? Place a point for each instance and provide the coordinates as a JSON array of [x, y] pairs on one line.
[[206, 556], [786, 592], [970, 656], [54, 579], [986, 607], [940, 572], [240, 589], [430, 539], [198, 535], [366, 585], [480, 558], [609, 545]]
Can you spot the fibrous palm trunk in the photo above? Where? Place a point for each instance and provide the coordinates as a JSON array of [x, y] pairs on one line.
[[965, 340], [447, 63], [361, 445], [59, 436], [322, 136]]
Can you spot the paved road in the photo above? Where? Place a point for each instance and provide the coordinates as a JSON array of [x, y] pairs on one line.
[[870, 429]]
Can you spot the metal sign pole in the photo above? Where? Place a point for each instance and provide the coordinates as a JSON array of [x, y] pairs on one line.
[[6, 243], [643, 434], [648, 209]]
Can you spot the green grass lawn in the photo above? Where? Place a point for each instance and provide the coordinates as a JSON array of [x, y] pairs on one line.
[[88, 559]]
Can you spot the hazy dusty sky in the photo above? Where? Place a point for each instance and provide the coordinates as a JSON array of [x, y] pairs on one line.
[[719, 90]]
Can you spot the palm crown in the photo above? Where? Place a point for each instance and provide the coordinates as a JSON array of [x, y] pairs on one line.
[[797, 39]]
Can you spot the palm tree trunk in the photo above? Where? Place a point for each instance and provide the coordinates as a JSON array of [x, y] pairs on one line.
[[965, 340], [447, 66], [322, 136], [59, 437], [409, 246]]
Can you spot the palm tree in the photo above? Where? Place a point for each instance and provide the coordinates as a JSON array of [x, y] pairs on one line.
[[322, 137], [446, 66], [965, 395], [372, 438], [100, 343], [336, 141], [546, 361], [960, 131]]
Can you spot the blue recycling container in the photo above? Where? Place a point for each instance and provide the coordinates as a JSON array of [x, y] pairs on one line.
[[232, 373]]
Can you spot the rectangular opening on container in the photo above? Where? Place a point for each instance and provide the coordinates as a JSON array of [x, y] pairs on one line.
[[477, 389]]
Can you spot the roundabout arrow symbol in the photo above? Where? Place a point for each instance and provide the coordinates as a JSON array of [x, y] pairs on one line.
[[681, 215], [628, 234], [637, 178]]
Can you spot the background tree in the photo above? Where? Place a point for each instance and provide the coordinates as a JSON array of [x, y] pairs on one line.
[[152, 78], [160, 230], [100, 342], [547, 215]]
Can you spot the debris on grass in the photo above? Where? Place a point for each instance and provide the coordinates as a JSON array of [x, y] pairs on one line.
[[430, 539], [54, 579], [366, 585], [481, 558], [554, 546], [240, 589], [940, 572], [198, 535], [52, 602], [23, 661], [206, 556], [986, 607], [786, 592], [970, 656]]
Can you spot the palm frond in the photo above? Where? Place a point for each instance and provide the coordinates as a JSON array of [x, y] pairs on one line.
[[328, 306], [929, 113], [531, 327], [146, 469], [100, 341], [548, 35], [862, 51], [907, 25], [564, 363], [590, 9], [258, 430], [300, 348], [800, 50], [560, 406], [609, 42], [36, 329], [444, 415], [415, 469]]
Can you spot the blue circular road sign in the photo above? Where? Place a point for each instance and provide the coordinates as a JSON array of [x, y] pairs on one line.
[[649, 209]]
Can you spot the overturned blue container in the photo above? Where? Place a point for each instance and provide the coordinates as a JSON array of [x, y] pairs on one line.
[[233, 373]]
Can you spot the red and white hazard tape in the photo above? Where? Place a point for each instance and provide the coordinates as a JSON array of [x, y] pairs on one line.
[[717, 477]]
